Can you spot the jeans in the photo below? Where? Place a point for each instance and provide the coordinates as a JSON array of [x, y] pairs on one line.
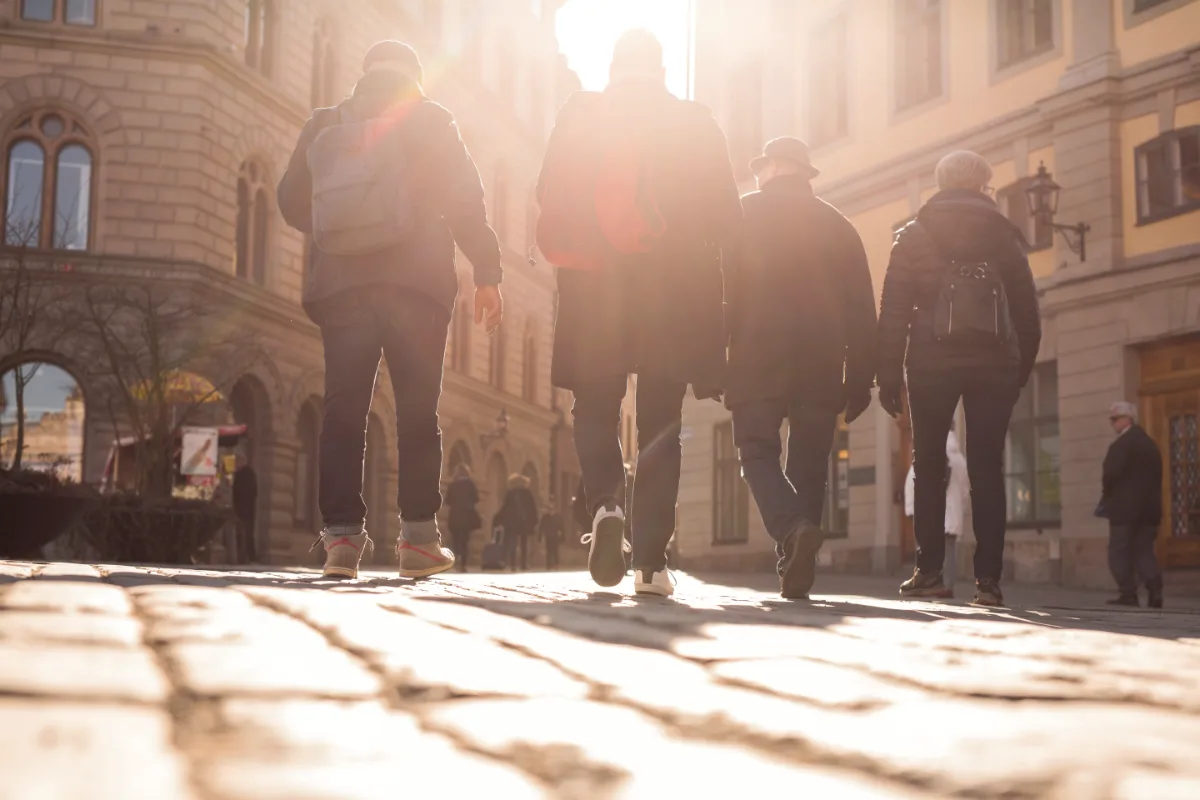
[[460, 544], [409, 330], [1131, 556], [988, 399], [785, 497], [516, 552], [656, 481]]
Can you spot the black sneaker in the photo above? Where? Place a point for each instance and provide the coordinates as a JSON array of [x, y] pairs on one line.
[[1124, 600], [1156, 599], [987, 593], [924, 584], [798, 566]]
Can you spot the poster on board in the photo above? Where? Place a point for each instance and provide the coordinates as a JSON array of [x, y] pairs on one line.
[[199, 456]]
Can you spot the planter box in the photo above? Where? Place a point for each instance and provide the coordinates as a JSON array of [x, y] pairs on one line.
[[133, 530], [31, 520]]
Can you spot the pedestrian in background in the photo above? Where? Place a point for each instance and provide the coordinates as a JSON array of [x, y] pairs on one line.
[[1131, 500], [958, 490], [550, 531], [386, 188], [518, 517], [245, 508], [637, 203], [801, 321], [462, 499], [960, 315]]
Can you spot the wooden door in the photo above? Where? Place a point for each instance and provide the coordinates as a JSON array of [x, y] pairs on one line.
[[1171, 411]]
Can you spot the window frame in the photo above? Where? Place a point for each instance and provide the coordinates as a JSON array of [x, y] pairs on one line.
[[903, 106], [746, 131], [838, 21], [497, 347], [324, 65], [1135, 16], [727, 469], [834, 482], [259, 52], [1000, 69], [1035, 423], [59, 15], [1184, 204], [529, 371], [254, 177], [28, 128]]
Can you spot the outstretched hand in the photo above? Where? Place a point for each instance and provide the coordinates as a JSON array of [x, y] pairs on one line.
[[489, 307], [891, 401]]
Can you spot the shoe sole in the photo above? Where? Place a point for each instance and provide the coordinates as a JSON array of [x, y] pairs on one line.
[[427, 572], [606, 561], [339, 572], [939, 593], [800, 573], [651, 589]]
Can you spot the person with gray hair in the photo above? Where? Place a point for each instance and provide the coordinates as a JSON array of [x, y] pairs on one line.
[[958, 321], [1132, 502]]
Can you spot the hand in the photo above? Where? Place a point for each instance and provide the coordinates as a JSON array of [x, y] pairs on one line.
[[860, 401], [489, 307], [890, 400]]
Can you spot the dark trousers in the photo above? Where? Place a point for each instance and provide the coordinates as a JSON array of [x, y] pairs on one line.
[[651, 505], [409, 330], [516, 553], [460, 543], [1131, 556], [785, 496], [988, 399], [551, 554]]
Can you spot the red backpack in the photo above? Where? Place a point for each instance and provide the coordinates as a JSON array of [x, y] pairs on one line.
[[597, 201]]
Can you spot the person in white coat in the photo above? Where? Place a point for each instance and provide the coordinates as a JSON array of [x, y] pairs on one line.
[[958, 489]]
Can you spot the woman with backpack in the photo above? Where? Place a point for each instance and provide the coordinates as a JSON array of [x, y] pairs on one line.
[[959, 319]]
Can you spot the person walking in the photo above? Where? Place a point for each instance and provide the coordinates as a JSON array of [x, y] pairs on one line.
[[637, 204], [1132, 502], [462, 498], [518, 517], [801, 319], [550, 531], [245, 507], [958, 490], [960, 313], [385, 187]]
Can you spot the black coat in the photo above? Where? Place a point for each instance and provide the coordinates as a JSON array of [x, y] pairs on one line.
[[800, 305], [518, 515], [1133, 476], [445, 188], [461, 498], [660, 313], [963, 225]]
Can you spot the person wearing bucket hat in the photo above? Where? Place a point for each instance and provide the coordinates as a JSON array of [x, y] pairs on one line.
[[801, 321], [385, 188], [1131, 500]]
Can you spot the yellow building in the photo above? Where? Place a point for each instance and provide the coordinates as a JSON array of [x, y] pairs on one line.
[[1106, 95]]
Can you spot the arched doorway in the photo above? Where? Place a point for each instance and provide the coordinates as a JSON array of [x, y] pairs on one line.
[[306, 511], [42, 416]]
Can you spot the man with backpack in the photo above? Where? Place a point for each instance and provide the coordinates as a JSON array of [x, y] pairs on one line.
[[638, 201], [960, 313], [385, 187], [801, 318]]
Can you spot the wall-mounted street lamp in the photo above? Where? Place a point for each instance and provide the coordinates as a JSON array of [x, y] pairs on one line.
[[498, 433], [1042, 193]]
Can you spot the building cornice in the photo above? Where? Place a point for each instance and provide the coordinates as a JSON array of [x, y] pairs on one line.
[[485, 394]]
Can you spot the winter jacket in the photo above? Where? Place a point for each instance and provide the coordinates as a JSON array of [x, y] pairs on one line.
[[1133, 480], [461, 498], [518, 515], [799, 302], [445, 188], [960, 225], [658, 313]]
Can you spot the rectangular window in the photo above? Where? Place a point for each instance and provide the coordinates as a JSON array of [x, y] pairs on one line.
[[1024, 29], [918, 52], [745, 117], [1014, 204], [836, 517], [1168, 175], [731, 495], [1032, 461], [827, 82], [38, 10], [81, 12], [1146, 5]]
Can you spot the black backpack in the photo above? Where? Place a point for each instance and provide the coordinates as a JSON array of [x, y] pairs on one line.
[[971, 305]]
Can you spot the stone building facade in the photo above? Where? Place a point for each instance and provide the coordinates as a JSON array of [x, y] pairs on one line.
[[1106, 95], [158, 131]]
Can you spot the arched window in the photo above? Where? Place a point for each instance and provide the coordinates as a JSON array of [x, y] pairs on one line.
[[496, 356], [460, 456], [72, 12], [253, 223], [324, 66], [260, 35], [530, 366], [47, 179], [42, 420], [306, 512]]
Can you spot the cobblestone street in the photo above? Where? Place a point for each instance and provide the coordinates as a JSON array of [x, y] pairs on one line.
[[129, 682]]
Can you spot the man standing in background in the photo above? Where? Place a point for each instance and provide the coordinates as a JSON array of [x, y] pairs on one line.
[[1132, 502]]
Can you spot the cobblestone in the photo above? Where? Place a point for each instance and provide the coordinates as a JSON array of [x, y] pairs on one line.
[[173, 683]]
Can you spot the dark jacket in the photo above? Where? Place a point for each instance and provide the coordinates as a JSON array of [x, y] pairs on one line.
[[964, 225], [245, 493], [445, 188], [461, 498], [1133, 476], [659, 313], [800, 305], [519, 514]]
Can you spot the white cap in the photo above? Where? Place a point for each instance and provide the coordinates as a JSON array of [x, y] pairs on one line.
[[1122, 408]]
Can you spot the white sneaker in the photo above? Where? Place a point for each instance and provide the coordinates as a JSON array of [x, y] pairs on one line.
[[606, 556], [660, 583]]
